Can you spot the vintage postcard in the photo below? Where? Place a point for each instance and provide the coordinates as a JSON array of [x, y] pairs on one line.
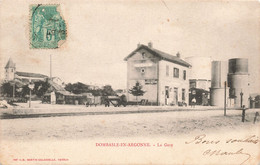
[[129, 82]]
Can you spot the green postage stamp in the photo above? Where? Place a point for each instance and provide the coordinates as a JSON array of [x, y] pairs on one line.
[[48, 29]]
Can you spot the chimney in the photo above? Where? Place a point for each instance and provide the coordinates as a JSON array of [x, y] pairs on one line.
[[138, 44], [150, 44], [178, 55]]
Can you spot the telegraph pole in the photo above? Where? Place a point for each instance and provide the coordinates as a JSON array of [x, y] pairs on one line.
[[50, 67], [51, 97]]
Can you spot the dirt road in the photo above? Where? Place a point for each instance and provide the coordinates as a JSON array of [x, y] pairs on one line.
[[168, 124]]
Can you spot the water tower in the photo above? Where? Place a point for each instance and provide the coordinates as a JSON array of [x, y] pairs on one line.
[[238, 81], [219, 72]]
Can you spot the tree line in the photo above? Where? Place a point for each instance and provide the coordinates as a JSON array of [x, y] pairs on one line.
[[79, 88], [42, 87]]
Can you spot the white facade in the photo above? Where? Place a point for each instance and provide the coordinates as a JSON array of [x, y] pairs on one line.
[[145, 71], [178, 87], [163, 77]]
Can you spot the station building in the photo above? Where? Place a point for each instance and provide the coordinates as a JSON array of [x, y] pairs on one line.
[[164, 77]]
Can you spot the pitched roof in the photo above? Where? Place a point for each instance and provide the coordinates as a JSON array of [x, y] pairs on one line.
[[254, 95], [160, 54], [18, 83], [10, 64], [27, 74], [66, 93], [56, 86]]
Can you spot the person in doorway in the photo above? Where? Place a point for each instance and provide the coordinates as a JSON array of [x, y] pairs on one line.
[[193, 102]]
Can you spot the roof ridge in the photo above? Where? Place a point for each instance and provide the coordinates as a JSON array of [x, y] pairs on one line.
[[31, 73], [174, 59], [161, 54], [28, 74]]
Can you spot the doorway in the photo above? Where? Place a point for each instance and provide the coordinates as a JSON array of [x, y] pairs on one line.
[[175, 98], [166, 95]]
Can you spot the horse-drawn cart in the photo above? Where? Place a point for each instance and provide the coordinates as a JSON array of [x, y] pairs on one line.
[[116, 101]]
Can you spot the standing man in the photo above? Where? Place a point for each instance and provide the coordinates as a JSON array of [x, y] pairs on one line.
[[53, 98], [193, 102]]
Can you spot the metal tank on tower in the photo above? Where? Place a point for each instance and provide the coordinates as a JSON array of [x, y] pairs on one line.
[[219, 72], [238, 81]]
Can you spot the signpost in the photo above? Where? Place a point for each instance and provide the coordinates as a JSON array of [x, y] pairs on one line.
[[241, 97], [243, 113]]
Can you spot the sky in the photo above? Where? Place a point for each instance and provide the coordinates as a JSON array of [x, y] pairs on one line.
[[100, 34]]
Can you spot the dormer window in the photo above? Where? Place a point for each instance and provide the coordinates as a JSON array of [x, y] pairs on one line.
[[143, 55]]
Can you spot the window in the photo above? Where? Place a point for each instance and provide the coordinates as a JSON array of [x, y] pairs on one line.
[[192, 84], [176, 72], [142, 70], [184, 75], [143, 55], [183, 95], [167, 70]]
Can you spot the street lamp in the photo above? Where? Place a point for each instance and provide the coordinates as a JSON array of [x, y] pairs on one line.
[[31, 86]]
